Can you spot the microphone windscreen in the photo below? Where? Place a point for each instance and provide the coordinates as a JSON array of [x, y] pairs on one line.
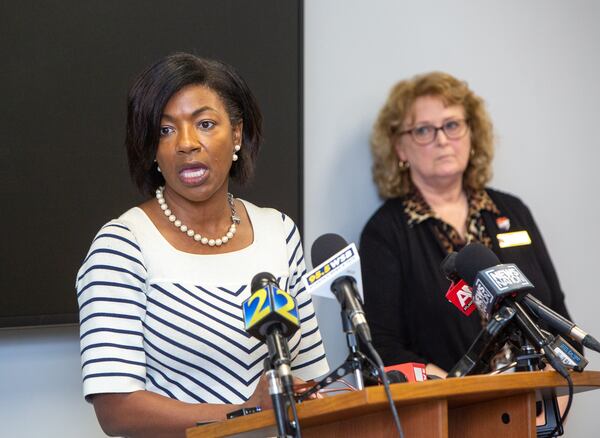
[[473, 258], [396, 376], [325, 246], [448, 265], [261, 279]]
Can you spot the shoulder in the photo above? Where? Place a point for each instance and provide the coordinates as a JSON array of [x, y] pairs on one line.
[[115, 249], [122, 229], [121, 233], [263, 213], [134, 218], [385, 230], [504, 198], [510, 205], [119, 236], [270, 218], [389, 214]]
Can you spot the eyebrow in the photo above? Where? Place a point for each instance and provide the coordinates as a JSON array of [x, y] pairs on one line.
[[194, 114], [444, 120]]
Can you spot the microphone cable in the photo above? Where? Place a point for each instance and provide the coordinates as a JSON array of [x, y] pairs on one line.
[[563, 417], [298, 432], [386, 386]]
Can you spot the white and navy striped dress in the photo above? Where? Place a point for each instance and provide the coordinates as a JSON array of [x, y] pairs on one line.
[[158, 319]]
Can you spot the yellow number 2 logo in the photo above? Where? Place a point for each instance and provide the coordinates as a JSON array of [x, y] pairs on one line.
[[261, 310]]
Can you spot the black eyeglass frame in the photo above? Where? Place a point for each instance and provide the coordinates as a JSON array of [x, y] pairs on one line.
[[435, 131]]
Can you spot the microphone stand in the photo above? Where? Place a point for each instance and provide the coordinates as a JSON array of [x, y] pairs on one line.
[[490, 339], [355, 356], [284, 428], [527, 336], [530, 360], [352, 365]]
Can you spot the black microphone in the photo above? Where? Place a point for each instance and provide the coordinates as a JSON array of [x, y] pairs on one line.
[[554, 320], [344, 286], [271, 315], [495, 283], [448, 267], [559, 323], [492, 282]]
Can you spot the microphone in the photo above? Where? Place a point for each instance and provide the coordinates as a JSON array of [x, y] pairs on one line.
[[561, 324], [448, 267], [271, 315], [459, 293], [411, 371], [502, 283], [337, 268], [395, 376], [492, 282], [463, 300]]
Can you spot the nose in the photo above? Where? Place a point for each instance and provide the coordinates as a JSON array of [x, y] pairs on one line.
[[187, 140], [440, 137]]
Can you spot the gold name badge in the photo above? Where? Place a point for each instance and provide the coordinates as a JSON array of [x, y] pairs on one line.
[[516, 238]]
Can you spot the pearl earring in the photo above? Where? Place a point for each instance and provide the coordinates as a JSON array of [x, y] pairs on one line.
[[157, 167], [237, 147]]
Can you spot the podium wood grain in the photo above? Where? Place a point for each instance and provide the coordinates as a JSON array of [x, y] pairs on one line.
[[465, 407]]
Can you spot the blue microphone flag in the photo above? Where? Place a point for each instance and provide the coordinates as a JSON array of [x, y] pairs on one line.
[[267, 306]]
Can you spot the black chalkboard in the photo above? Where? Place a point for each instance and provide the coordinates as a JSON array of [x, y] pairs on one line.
[[65, 67]]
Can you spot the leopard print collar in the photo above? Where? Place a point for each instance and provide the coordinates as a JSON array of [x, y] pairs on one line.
[[418, 211]]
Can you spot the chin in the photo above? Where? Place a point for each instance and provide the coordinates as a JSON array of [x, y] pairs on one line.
[[449, 171], [449, 175]]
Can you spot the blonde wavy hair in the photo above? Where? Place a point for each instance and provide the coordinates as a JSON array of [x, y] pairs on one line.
[[393, 181]]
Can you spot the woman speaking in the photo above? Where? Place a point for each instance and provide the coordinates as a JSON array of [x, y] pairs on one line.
[[160, 292]]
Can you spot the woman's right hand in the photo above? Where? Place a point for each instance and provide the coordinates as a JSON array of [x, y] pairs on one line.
[[261, 396], [433, 369]]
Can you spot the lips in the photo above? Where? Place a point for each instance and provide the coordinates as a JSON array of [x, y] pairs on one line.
[[193, 174]]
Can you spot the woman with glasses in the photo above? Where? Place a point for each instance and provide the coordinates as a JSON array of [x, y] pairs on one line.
[[432, 146]]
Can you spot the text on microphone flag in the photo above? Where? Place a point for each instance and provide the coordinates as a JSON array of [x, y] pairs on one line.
[[461, 295], [266, 302], [346, 255]]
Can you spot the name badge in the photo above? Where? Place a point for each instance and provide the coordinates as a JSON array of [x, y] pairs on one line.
[[516, 238]]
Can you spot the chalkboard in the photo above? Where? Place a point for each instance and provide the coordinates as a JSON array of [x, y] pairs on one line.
[[65, 70]]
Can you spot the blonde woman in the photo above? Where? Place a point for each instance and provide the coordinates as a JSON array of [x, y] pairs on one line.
[[432, 147]]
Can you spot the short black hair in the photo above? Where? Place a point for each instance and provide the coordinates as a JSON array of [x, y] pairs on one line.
[[153, 89]]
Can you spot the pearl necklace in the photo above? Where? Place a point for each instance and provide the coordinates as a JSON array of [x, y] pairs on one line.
[[235, 221]]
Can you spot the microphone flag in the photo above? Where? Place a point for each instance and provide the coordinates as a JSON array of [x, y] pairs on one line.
[[270, 306]]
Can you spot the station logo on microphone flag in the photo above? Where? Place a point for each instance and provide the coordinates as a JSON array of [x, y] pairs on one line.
[[344, 262], [269, 303]]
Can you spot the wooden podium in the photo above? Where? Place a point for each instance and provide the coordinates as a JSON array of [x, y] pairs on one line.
[[476, 406]]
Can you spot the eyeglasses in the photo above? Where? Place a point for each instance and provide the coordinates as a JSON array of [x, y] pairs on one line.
[[425, 134]]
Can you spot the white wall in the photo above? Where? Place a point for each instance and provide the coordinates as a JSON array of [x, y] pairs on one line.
[[537, 64], [40, 385]]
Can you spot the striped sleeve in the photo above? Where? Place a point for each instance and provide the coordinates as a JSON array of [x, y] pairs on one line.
[[112, 301], [309, 362]]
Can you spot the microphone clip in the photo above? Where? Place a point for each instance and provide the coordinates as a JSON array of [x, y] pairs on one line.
[[355, 363]]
